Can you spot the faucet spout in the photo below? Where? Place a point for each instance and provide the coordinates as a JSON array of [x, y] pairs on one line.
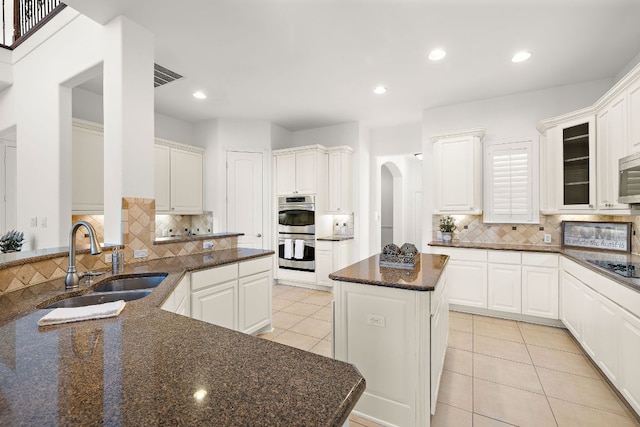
[[72, 279]]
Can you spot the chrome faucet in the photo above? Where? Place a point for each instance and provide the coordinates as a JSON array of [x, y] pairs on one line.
[[73, 278]]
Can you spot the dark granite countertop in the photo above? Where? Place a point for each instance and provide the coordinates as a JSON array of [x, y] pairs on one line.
[[369, 272], [335, 238], [581, 256], [194, 237], [149, 367]]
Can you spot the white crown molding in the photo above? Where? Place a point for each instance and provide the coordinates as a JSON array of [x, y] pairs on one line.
[[341, 148], [475, 132], [179, 145], [87, 125], [547, 124], [317, 147]]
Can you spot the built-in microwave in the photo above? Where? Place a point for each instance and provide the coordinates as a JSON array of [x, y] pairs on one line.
[[629, 179]]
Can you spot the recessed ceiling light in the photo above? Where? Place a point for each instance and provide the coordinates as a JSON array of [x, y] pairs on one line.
[[521, 56], [379, 90], [437, 54], [199, 95]]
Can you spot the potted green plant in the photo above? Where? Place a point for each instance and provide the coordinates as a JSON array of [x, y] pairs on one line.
[[12, 241], [447, 227]]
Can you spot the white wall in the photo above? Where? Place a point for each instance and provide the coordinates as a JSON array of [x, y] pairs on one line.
[[280, 137], [329, 136], [510, 116], [89, 106]]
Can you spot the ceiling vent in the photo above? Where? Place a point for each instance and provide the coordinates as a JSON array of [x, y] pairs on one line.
[[162, 76]]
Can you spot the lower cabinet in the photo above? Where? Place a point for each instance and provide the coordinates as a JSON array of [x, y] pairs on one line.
[[235, 296], [540, 285], [331, 256], [397, 339], [504, 281], [607, 332], [468, 283]]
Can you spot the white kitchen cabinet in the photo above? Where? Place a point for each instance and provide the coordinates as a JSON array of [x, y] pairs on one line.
[[179, 301], [629, 380], [468, 283], [612, 144], [87, 175], [255, 284], [457, 161], [397, 339], [633, 103], [572, 300], [331, 256], [504, 281], [178, 177], [214, 296], [540, 285], [577, 142], [607, 326], [300, 170], [340, 180]]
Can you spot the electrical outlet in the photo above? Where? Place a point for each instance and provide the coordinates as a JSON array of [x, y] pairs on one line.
[[140, 253], [547, 238], [107, 258], [34, 221], [376, 320], [207, 245], [43, 222], [438, 235]]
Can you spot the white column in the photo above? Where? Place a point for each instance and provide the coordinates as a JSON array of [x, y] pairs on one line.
[[128, 119]]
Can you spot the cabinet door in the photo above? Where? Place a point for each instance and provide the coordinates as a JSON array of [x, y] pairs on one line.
[[87, 170], [608, 343], [612, 144], [588, 320], [571, 300], [633, 102], [629, 384], [340, 182], [324, 266], [285, 174], [186, 181], [307, 172], [540, 291], [162, 171], [217, 304], [577, 164], [439, 338], [467, 281], [342, 254], [255, 302], [456, 167], [504, 288]]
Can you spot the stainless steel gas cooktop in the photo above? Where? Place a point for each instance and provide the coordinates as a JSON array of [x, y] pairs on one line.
[[626, 269]]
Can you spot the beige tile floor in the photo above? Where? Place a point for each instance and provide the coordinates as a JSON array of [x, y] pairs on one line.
[[497, 372]]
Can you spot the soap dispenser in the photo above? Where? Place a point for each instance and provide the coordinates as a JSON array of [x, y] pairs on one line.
[[117, 261]]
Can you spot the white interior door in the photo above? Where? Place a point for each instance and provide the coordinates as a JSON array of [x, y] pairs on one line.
[[245, 210]]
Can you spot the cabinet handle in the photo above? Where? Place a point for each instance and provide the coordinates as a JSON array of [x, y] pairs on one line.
[[590, 206]]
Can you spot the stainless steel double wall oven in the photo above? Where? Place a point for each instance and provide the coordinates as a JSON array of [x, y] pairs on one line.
[[297, 233]]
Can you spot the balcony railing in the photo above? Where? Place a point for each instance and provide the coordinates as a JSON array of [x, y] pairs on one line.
[[22, 17]]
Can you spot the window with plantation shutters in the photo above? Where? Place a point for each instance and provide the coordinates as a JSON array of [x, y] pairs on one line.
[[511, 182]]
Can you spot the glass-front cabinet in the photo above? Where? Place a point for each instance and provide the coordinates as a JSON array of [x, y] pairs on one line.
[[578, 189]]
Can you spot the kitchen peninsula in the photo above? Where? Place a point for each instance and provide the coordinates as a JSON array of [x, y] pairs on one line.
[[393, 324], [150, 367]]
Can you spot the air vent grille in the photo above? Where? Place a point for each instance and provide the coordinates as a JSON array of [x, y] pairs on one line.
[[162, 76]]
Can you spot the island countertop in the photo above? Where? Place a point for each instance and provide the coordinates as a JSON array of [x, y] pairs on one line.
[[150, 367], [423, 277]]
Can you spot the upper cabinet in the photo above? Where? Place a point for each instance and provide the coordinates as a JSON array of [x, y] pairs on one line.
[[340, 180], [633, 123], [576, 141], [458, 172], [178, 177], [87, 167], [612, 144], [300, 170]]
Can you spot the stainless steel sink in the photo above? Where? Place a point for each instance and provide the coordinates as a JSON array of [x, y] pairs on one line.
[[131, 283], [99, 298]]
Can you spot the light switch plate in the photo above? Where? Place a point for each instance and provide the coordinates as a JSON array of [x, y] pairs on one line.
[[43, 222], [547, 238], [107, 258], [207, 245], [34, 221]]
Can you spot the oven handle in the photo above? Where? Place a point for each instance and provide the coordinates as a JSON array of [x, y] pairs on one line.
[[309, 241], [307, 207]]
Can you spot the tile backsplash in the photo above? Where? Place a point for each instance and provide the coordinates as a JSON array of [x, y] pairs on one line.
[[470, 228], [177, 224]]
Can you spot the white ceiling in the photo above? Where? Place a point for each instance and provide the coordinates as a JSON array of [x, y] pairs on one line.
[[308, 63]]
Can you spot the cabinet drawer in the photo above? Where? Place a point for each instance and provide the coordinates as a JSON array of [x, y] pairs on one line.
[[213, 276], [504, 257], [324, 245], [540, 259], [254, 266]]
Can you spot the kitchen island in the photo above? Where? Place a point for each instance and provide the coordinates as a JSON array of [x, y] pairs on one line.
[[151, 367], [393, 325]]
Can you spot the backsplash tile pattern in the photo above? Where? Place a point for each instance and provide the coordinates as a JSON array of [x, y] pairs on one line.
[[526, 234], [139, 232], [176, 224]]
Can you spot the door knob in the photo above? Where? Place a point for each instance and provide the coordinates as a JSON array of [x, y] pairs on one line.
[[259, 235]]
